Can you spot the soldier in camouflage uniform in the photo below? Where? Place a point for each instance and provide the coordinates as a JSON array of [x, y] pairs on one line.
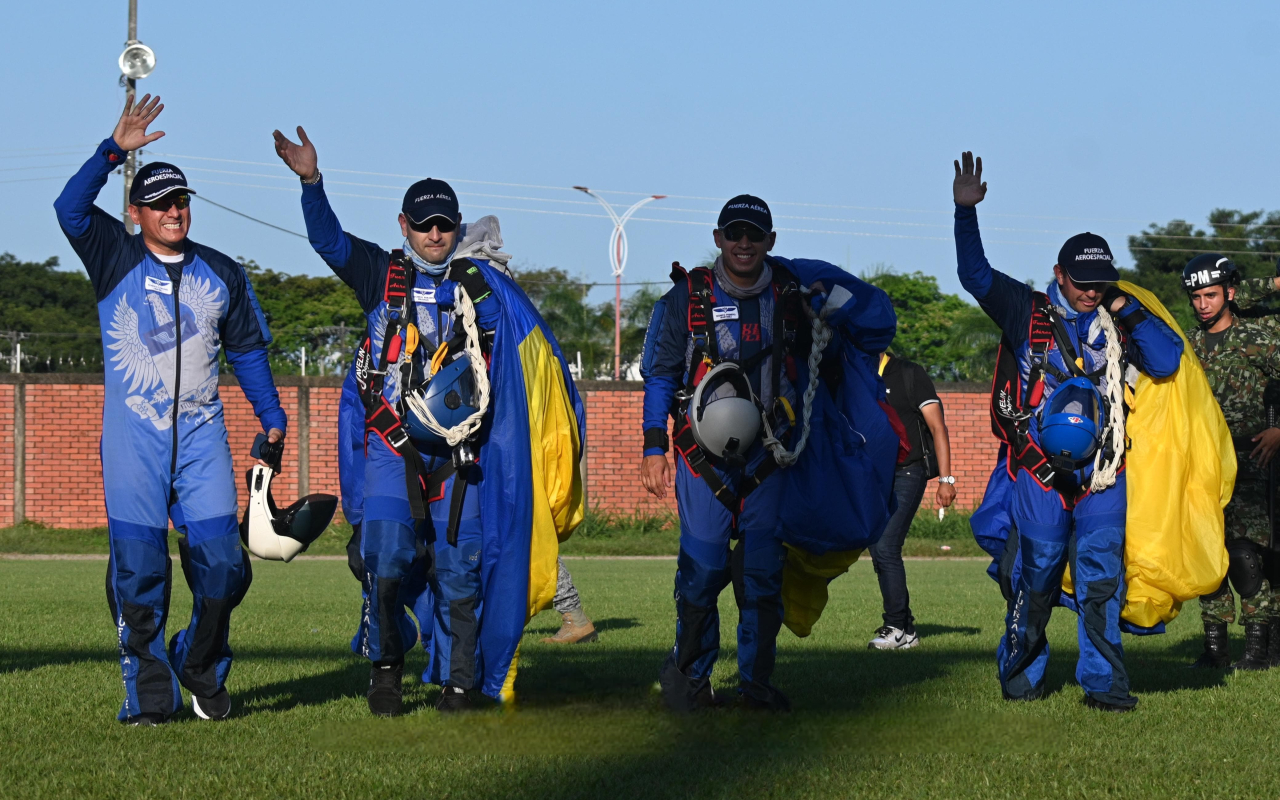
[[1239, 357]]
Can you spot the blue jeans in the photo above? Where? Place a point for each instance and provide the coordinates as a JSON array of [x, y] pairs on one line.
[[886, 555]]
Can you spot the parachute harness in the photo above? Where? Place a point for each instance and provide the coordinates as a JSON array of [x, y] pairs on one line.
[[821, 338], [465, 312], [1104, 472]]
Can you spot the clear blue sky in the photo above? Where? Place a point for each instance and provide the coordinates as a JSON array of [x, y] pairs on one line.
[[1099, 116]]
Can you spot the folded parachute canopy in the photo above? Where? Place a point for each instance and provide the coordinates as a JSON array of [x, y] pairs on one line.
[[839, 494], [1181, 470], [531, 491]]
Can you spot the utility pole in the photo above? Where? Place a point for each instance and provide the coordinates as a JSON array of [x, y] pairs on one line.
[[136, 62], [130, 91], [618, 261]]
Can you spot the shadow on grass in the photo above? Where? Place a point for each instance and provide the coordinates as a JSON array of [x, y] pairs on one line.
[[591, 726], [938, 630]]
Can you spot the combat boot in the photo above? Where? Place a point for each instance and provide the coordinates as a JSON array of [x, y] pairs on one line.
[[575, 628], [1273, 642], [1217, 649], [1255, 648]]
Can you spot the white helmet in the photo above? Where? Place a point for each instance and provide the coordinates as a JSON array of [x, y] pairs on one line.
[[723, 415], [276, 535]]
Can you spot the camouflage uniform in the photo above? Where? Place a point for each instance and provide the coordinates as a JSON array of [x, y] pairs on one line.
[[1238, 369]]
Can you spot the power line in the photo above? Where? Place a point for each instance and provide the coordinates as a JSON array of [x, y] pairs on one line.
[[252, 219]]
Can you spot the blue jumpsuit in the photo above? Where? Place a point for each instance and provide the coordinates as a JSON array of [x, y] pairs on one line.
[[164, 460], [1046, 534], [401, 554], [706, 565]]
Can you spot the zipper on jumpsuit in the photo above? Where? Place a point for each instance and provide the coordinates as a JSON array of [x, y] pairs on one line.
[[177, 368]]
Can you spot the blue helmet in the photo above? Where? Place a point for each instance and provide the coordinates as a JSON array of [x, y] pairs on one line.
[[1069, 428], [450, 395]]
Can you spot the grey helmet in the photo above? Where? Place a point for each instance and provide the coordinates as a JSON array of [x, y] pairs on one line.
[[724, 423]]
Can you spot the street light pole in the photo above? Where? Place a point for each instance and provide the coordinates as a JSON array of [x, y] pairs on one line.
[[618, 261], [130, 91]]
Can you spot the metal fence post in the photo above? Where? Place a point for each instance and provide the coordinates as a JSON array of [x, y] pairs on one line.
[[19, 453], [303, 426]]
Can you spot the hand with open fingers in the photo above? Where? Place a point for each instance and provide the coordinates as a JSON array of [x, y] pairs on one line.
[[1268, 443], [131, 130], [968, 188], [274, 435], [301, 158], [655, 474]]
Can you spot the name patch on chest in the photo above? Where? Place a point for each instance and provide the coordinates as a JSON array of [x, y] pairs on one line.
[[424, 294], [157, 285], [722, 313]]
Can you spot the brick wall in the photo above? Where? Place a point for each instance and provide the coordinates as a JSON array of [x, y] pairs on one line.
[[63, 473]]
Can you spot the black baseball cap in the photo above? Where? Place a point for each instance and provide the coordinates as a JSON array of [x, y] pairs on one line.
[[155, 180], [746, 208], [1086, 258], [429, 198]]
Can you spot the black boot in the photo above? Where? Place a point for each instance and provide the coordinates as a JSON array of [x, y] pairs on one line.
[[1255, 648], [1273, 642], [1217, 650]]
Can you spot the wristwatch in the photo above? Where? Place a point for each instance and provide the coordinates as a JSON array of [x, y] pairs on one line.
[[951, 479]]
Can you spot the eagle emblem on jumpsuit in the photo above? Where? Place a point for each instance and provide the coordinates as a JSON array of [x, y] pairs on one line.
[[146, 349]]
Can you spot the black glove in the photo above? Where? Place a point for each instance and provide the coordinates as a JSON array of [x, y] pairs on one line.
[[1110, 295]]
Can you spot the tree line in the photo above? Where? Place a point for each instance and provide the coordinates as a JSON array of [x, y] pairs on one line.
[[55, 311]]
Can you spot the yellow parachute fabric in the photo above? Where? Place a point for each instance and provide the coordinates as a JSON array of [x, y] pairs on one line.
[[804, 585], [558, 502], [1181, 469]]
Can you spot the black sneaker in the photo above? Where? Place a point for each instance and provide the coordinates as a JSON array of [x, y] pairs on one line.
[[145, 721], [1102, 705], [216, 707], [453, 699], [385, 691]]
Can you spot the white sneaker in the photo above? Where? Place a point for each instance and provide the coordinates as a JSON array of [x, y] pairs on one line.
[[891, 638]]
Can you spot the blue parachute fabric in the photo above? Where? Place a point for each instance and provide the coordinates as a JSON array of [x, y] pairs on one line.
[[839, 494], [506, 485], [992, 521]]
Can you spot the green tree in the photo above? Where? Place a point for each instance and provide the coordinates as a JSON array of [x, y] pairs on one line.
[[1250, 239], [320, 314], [951, 339], [56, 309]]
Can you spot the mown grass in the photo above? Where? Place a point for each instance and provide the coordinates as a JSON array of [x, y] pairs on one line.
[[926, 723], [600, 534]]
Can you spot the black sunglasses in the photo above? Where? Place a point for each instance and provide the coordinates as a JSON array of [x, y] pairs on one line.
[[737, 230], [181, 201], [444, 224]]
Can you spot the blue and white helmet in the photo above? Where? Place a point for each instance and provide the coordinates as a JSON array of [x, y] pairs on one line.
[[450, 395]]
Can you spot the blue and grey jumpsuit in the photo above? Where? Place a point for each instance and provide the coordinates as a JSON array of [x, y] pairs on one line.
[[1046, 532], [706, 565], [164, 443], [399, 553]]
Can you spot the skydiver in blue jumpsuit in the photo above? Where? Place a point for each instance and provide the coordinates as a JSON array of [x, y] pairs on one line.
[[398, 552], [164, 460], [1046, 530], [744, 314]]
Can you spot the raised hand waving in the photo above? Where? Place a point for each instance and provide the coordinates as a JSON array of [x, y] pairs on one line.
[[968, 188], [301, 158], [131, 130]]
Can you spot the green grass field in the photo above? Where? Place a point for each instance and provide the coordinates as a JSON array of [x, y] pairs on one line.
[[922, 723]]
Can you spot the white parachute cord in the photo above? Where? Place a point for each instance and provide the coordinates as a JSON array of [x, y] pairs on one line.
[[1104, 474], [821, 337], [465, 312]]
